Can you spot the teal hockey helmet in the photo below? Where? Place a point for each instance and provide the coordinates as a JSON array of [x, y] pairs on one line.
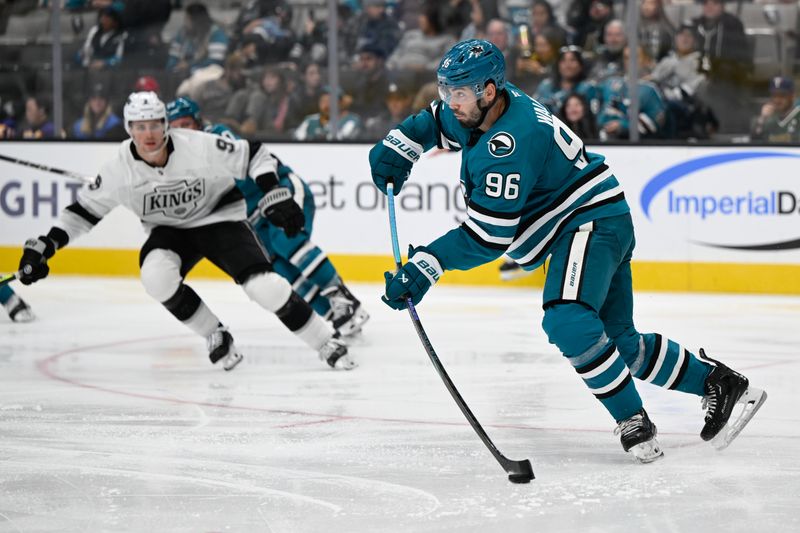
[[183, 107], [470, 64]]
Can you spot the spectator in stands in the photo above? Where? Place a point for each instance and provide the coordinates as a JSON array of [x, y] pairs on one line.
[[143, 22], [728, 61], [255, 13], [426, 94], [269, 39], [608, 57], [37, 123], [542, 17], [576, 113], [376, 28], [779, 120], [371, 83], [476, 28], [199, 43], [105, 42], [613, 118], [147, 83], [421, 49], [455, 15], [569, 77], [656, 32], [498, 32], [588, 20], [314, 40], [317, 127], [305, 99], [398, 107], [214, 95], [267, 110], [683, 85], [541, 65], [99, 121]]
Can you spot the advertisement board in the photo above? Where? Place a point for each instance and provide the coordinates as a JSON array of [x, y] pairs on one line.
[[691, 205]]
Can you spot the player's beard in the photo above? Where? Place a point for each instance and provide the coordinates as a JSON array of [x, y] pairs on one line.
[[476, 117], [472, 119]]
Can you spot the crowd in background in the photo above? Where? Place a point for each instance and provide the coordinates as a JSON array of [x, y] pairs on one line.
[[262, 71]]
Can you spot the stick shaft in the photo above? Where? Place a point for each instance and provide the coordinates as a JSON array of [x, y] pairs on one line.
[[39, 166], [508, 465]]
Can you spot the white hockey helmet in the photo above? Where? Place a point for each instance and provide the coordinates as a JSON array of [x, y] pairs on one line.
[[144, 105]]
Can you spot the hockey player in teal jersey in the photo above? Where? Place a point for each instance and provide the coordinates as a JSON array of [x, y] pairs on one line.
[[613, 118], [533, 192], [301, 262], [17, 309]]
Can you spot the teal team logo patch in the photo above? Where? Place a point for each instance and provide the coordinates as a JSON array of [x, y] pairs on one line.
[[501, 144]]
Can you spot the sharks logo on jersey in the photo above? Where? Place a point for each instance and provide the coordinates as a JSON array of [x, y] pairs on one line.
[[178, 200], [501, 144]]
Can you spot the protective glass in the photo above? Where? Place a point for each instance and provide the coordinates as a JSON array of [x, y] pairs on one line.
[[459, 95]]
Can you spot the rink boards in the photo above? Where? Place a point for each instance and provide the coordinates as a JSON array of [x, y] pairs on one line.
[[707, 218]]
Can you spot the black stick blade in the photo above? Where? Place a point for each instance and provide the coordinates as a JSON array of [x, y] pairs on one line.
[[520, 471]]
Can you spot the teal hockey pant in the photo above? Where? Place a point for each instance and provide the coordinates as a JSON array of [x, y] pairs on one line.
[[588, 315], [301, 262], [6, 293]]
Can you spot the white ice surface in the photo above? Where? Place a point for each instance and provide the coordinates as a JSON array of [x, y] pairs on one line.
[[112, 419]]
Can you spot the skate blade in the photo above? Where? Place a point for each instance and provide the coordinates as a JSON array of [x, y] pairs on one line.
[[231, 360], [647, 452], [345, 362], [752, 400]]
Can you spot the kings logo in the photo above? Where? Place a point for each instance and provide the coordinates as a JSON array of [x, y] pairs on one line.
[[177, 200]]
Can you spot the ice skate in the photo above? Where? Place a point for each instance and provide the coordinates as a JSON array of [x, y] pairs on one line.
[[638, 436], [221, 347], [18, 310], [724, 390], [334, 352], [510, 270], [347, 314]]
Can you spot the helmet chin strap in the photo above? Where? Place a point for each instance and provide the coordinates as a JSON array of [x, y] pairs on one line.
[[485, 110]]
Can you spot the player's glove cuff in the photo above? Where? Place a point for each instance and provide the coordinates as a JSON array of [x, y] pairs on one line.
[[398, 141], [426, 262], [276, 195]]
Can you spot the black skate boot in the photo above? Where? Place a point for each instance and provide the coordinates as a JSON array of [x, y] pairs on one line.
[[334, 352], [511, 270], [638, 436], [221, 347], [347, 314], [724, 389]]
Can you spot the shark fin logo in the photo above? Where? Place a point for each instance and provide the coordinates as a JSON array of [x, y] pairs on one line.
[[501, 144]]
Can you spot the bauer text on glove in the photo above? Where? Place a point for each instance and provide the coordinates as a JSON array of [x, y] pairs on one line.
[[413, 280], [392, 159]]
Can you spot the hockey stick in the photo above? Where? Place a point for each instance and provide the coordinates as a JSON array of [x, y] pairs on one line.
[[518, 471], [5, 279], [37, 166]]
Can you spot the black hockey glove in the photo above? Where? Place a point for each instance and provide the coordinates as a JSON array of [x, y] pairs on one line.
[[33, 265], [280, 209]]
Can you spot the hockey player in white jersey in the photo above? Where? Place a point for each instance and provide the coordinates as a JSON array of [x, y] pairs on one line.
[[181, 185]]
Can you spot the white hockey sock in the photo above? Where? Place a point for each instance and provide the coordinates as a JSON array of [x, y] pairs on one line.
[[316, 332], [203, 321]]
